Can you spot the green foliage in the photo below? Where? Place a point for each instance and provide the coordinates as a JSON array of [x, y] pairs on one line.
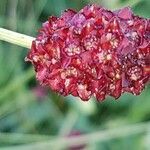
[[27, 118]]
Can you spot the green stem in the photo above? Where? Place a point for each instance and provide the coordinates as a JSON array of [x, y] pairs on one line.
[[16, 38], [97, 136], [18, 138]]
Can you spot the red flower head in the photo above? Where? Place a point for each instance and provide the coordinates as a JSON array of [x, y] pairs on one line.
[[93, 52]]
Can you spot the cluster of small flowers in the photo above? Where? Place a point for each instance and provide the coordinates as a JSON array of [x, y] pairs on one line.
[[93, 52]]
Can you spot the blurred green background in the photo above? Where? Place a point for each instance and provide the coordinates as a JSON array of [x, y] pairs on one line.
[[32, 117]]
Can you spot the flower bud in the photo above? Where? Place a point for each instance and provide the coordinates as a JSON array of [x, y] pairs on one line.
[[93, 52]]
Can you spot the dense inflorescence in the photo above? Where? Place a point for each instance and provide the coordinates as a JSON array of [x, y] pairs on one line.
[[93, 52]]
